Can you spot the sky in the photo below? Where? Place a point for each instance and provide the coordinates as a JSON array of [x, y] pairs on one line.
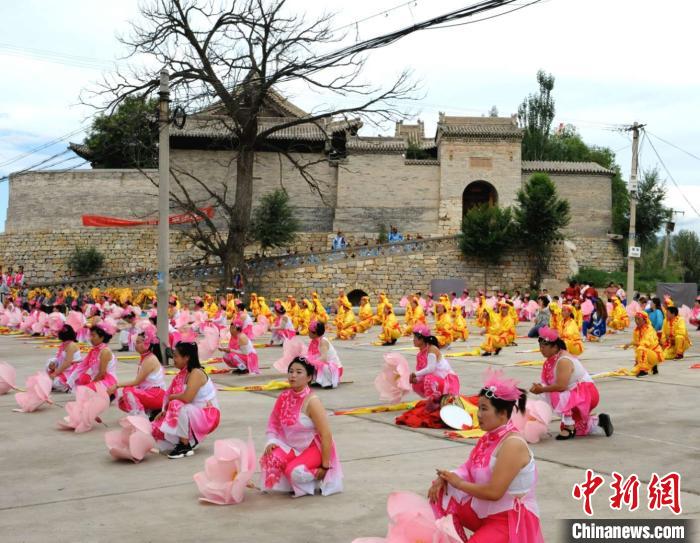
[[615, 62]]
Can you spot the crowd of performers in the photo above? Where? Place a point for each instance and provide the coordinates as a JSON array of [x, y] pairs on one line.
[[492, 495]]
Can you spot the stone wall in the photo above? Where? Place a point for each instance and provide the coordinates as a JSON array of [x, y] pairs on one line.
[[599, 253]]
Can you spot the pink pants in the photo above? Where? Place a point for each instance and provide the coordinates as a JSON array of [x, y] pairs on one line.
[[86, 380], [287, 461], [432, 386], [132, 399]]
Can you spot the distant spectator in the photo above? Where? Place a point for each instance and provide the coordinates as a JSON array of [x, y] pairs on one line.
[[541, 317], [408, 237], [418, 236], [610, 291], [339, 242], [394, 235], [620, 293], [572, 291], [695, 315]]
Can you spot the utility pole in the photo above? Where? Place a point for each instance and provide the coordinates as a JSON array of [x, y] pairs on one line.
[[163, 288], [670, 225], [632, 247]]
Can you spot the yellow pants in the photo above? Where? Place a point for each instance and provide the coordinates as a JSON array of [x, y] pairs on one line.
[[645, 359], [574, 346], [491, 343], [678, 345]]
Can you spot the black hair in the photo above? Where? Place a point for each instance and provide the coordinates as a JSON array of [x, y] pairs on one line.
[[559, 342], [100, 332], [189, 349], [320, 329], [129, 315], [240, 306], [153, 348], [67, 333], [280, 310], [656, 301], [200, 303], [673, 310], [506, 405], [154, 319], [544, 299], [308, 366], [430, 340]]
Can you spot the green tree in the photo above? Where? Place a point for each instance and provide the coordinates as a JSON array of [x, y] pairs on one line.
[[540, 219], [127, 138], [536, 114], [85, 260], [274, 223], [651, 212], [486, 233], [686, 248]]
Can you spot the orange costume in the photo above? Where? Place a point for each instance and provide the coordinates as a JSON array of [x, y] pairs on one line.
[[414, 315], [571, 334], [319, 311], [379, 317], [507, 325], [366, 315], [493, 336], [647, 351], [619, 320], [677, 341], [459, 325], [391, 329], [443, 326], [345, 320]]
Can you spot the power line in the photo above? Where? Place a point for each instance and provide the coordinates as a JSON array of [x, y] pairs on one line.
[[4, 178], [39, 148], [663, 164], [675, 146], [57, 58], [520, 6]]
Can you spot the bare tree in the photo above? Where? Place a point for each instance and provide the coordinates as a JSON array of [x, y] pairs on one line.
[[226, 57]]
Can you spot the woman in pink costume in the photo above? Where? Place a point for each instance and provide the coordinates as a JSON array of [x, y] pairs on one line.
[[99, 364], [240, 353], [190, 409], [66, 360], [569, 389], [143, 395], [493, 493], [300, 455], [322, 355], [434, 376], [282, 328]]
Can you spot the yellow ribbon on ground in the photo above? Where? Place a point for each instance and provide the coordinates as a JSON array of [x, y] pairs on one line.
[[378, 409], [530, 363], [207, 369], [528, 351], [616, 373], [129, 357], [474, 433], [474, 352], [270, 385], [406, 349]]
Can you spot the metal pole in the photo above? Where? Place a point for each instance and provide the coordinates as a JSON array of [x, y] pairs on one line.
[[633, 210], [163, 289]]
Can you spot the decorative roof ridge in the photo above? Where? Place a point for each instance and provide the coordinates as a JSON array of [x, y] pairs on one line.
[[565, 166]]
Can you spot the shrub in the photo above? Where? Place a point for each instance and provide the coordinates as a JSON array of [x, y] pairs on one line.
[[644, 282], [85, 260]]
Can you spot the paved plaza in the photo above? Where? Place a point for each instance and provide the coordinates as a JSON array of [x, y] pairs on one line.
[[59, 486]]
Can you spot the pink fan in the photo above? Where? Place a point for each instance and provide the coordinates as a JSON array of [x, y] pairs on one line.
[[83, 412], [109, 325], [685, 312], [56, 321], [76, 320], [633, 308], [227, 473], [587, 307], [532, 307], [116, 312], [133, 441], [8, 376], [38, 392], [403, 302], [533, 424], [392, 382], [290, 350], [260, 327], [492, 301], [517, 304], [183, 319], [209, 344], [411, 518]]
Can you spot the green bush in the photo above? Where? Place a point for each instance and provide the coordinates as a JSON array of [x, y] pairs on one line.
[[644, 282], [85, 260], [383, 236]]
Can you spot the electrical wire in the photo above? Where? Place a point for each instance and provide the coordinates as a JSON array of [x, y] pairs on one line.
[[520, 6], [40, 148], [675, 146]]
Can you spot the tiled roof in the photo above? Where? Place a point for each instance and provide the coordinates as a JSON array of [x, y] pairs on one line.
[[385, 145], [219, 127], [81, 150], [564, 167], [479, 127]]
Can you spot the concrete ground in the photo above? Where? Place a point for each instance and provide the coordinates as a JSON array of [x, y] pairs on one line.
[[59, 486]]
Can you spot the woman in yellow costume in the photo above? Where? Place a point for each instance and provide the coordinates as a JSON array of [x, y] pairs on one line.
[[417, 316], [210, 306], [507, 324], [459, 324], [391, 329], [264, 308], [555, 316], [366, 315], [570, 332], [647, 351], [443, 325], [254, 305], [677, 341], [578, 313], [493, 335], [345, 320], [304, 317], [379, 317], [320, 314], [619, 319], [292, 310], [481, 320]]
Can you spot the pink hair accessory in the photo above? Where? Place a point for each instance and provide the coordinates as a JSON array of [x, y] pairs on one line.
[[500, 386], [108, 325], [548, 334], [421, 329], [312, 326], [150, 334], [197, 299], [238, 323]]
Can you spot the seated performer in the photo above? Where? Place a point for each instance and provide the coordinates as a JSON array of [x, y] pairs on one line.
[[415, 316], [492, 494], [322, 355], [507, 324], [345, 327], [648, 354], [365, 316], [66, 360], [240, 353], [145, 393], [282, 328], [127, 336], [391, 329], [619, 319], [569, 389], [459, 324], [570, 332], [493, 337], [594, 328], [443, 325], [300, 454], [99, 364], [304, 318], [190, 409], [677, 340], [434, 376]]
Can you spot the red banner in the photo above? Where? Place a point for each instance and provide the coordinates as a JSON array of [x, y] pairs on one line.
[[102, 221]]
